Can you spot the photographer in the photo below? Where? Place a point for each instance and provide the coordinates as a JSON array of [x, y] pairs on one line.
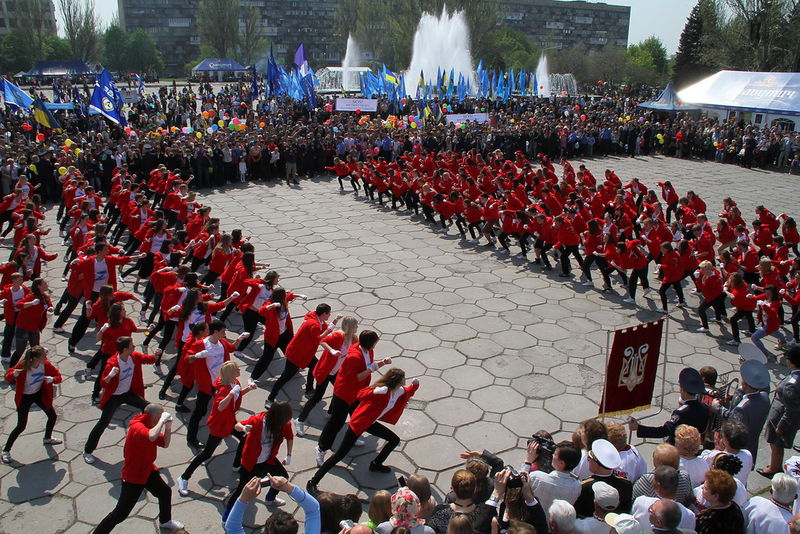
[[560, 483], [514, 500]]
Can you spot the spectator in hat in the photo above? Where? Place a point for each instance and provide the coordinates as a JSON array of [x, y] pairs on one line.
[[750, 403], [665, 484], [772, 515], [690, 412], [606, 499], [623, 524], [603, 460]]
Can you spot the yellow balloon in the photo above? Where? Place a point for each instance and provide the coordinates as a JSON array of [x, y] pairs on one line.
[[78, 151], [68, 142], [221, 124], [199, 135], [62, 171]]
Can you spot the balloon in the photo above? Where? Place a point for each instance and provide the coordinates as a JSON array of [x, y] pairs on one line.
[[78, 151], [358, 111], [577, 107], [132, 133], [221, 124], [463, 126], [403, 101], [583, 117], [211, 113], [335, 129], [236, 122], [627, 117], [231, 126], [458, 125], [185, 130], [376, 151], [68, 142], [715, 143], [641, 119], [62, 171], [214, 127], [661, 141], [413, 124], [261, 124], [209, 130], [411, 118], [199, 135], [40, 136], [205, 114]]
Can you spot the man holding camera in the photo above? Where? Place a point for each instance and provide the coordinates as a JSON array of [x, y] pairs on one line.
[[560, 483]]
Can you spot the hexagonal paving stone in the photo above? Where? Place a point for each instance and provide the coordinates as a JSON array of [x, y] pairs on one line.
[[507, 366], [417, 340], [432, 318], [569, 407], [432, 452], [452, 411], [375, 312], [488, 325], [466, 377], [538, 386], [547, 332], [441, 358], [576, 375], [497, 399], [491, 436], [395, 325], [480, 348], [454, 332], [514, 339], [432, 388]]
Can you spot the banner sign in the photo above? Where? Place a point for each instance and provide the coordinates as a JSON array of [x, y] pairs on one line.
[[631, 369], [367, 105], [464, 117]]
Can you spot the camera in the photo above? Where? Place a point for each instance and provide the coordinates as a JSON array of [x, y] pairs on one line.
[[346, 523], [515, 478], [546, 445]]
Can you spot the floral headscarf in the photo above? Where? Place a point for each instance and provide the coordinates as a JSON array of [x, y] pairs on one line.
[[405, 509]]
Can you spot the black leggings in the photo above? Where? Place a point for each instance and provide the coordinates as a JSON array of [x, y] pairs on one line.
[[66, 310], [742, 314], [319, 392], [22, 418], [719, 309], [639, 275], [269, 352], [129, 496], [566, 251], [288, 372], [200, 410], [208, 451], [101, 358], [601, 264], [250, 319], [173, 370], [8, 340], [339, 412], [475, 229], [169, 329], [261, 470], [663, 292], [349, 439], [108, 412]]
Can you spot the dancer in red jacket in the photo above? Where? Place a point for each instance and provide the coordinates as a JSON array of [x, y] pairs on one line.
[[384, 401], [33, 379], [9, 296], [32, 311], [709, 281], [300, 351], [122, 384]]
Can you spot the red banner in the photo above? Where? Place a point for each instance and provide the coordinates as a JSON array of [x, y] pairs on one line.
[[631, 369]]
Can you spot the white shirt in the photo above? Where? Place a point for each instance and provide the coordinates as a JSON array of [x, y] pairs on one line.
[[158, 240], [340, 359], [394, 396], [744, 455], [194, 317], [125, 375], [633, 465], [33, 380], [266, 442], [264, 293], [590, 525], [215, 358], [582, 470], [17, 295], [100, 275], [696, 468], [554, 485], [740, 498], [763, 515], [282, 316], [367, 359], [641, 511]]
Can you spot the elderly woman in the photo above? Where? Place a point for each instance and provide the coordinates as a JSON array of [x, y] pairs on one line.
[[722, 514], [406, 510], [689, 444]]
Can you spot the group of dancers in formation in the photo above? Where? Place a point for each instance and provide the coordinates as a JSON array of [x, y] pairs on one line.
[[152, 232]]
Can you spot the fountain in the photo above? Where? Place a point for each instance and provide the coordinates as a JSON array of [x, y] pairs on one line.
[[440, 43], [543, 78], [351, 59]]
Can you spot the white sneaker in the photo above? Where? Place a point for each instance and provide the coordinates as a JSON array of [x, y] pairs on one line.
[[183, 487], [359, 443], [88, 458], [6, 457], [143, 316], [681, 305], [675, 299], [628, 300], [320, 456], [275, 502], [172, 525], [702, 330], [588, 283], [300, 428], [732, 342], [58, 330]]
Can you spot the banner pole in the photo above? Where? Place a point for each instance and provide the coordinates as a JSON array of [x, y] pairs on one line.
[[608, 358]]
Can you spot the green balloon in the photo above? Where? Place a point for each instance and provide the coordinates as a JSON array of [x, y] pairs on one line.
[[231, 126]]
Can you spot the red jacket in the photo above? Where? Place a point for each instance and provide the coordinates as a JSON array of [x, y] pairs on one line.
[[272, 328], [139, 452], [328, 361], [9, 310], [710, 286], [742, 299], [86, 268], [137, 382], [32, 318], [671, 267], [768, 314], [47, 388], [304, 344], [220, 423], [371, 404], [567, 236], [347, 385], [252, 442]]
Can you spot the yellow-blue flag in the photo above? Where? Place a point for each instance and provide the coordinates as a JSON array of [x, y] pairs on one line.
[[43, 116]]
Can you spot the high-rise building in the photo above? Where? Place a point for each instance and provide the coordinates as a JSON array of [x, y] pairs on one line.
[[35, 15], [285, 24], [563, 24]]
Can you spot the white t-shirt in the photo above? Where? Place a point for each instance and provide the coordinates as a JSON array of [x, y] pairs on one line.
[[125, 375], [194, 317], [100, 275], [33, 380], [740, 498], [282, 316], [696, 468], [641, 511], [215, 359], [590, 525], [158, 240], [266, 442], [264, 293], [340, 359], [17, 295], [744, 455]]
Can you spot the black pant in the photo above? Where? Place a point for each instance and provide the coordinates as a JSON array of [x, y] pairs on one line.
[[208, 451], [250, 319], [173, 370], [639, 275], [339, 411], [129, 495], [663, 292], [349, 439], [742, 314], [200, 410], [601, 264], [566, 250], [261, 470], [102, 359], [269, 352], [543, 249], [8, 340], [108, 412], [22, 418], [66, 311], [288, 372], [319, 392], [719, 309]]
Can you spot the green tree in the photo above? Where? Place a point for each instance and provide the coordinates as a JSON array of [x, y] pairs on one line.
[[116, 44], [82, 28], [699, 42], [251, 41], [218, 24], [143, 54]]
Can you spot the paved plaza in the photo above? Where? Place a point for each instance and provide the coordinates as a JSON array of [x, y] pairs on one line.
[[500, 348]]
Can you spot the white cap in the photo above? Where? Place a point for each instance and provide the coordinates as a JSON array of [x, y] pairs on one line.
[[624, 524], [605, 495], [606, 454]]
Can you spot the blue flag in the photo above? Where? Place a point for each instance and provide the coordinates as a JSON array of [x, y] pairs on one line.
[[57, 98], [254, 85], [301, 61], [139, 85], [107, 100], [14, 96]]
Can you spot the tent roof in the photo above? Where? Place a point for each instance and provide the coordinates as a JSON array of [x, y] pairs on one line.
[[59, 68], [667, 101], [760, 92], [218, 64]]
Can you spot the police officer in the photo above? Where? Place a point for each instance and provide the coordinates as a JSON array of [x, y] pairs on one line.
[[750, 404], [691, 411], [783, 420]]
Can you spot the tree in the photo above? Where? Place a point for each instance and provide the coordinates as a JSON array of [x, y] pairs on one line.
[[689, 66], [762, 24], [251, 41], [218, 23], [647, 62], [82, 27], [116, 43], [33, 23], [143, 55]]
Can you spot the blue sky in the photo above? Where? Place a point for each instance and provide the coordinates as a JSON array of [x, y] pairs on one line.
[[662, 18]]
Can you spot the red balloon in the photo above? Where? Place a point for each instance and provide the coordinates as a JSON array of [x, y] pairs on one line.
[[358, 112], [40, 136]]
